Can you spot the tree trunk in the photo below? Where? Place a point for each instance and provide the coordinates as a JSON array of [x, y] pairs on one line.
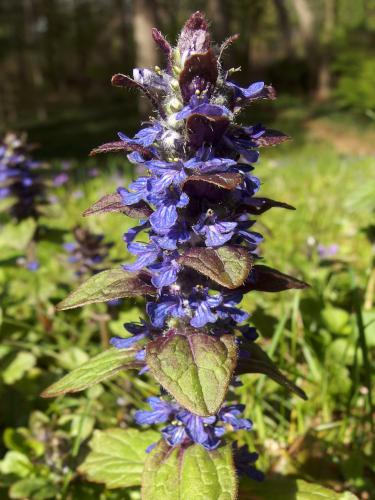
[[220, 19], [324, 76], [285, 27], [145, 51]]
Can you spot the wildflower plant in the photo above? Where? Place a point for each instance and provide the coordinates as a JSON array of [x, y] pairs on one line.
[[21, 181], [196, 203]]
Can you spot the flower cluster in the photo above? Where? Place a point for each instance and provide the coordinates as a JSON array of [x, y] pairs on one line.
[[20, 177], [195, 247], [184, 427], [87, 252]]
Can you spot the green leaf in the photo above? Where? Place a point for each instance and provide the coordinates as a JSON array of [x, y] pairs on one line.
[[228, 266], [117, 457], [336, 320], [35, 488], [290, 489], [97, 369], [257, 361], [21, 439], [16, 463], [195, 368], [189, 473], [109, 285], [17, 236], [23, 362]]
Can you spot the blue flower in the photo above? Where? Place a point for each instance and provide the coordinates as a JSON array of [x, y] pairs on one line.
[[147, 254], [138, 190], [253, 91], [186, 427], [215, 231], [161, 412], [202, 305], [227, 308], [201, 105], [165, 273], [167, 305], [167, 174], [166, 215], [230, 415], [139, 331], [244, 462], [145, 137], [176, 234]]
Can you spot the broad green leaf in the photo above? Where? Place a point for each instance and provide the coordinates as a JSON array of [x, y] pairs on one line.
[[189, 473], [108, 285], [117, 457], [336, 320], [23, 362], [195, 368], [97, 369], [17, 236], [21, 439], [289, 489], [257, 361], [16, 463], [228, 266], [35, 488]]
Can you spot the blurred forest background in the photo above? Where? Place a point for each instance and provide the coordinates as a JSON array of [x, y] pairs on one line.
[[56, 58], [56, 61]]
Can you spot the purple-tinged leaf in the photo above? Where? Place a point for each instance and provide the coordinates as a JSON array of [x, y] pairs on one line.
[[266, 279], [194, 36], [271, 138], [205, 129], [164, 45], [184, 473], [96, 370], [200, 73], [109, 285], [195, 368], [227, 43], [253, 359], [113, 203], [226, 180], [259, 205], [120, 80], [228, 266], [122, 147]]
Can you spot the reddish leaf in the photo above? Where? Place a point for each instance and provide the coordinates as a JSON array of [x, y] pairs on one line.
[[254, 360], [164, 45], [120, 80], [266, 279], [258, 206], [212, 187], [271, 138], [113, 203], [203, 128], [122, 146], [228, 266], [200, 73], [194, 35]]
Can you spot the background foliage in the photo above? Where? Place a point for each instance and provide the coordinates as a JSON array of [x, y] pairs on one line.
[[56, 58]]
